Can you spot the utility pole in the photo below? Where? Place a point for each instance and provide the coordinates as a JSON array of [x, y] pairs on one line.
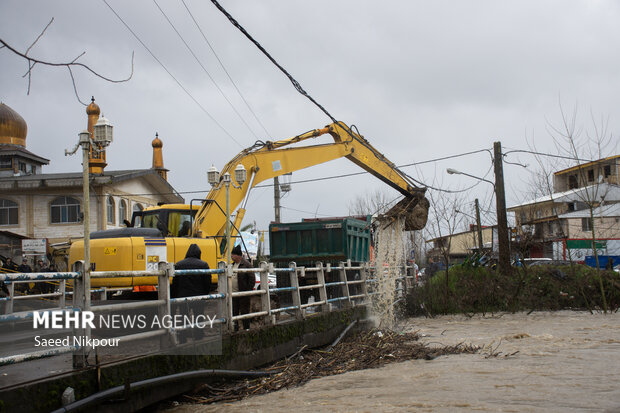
[[502, 220], [85, 142], [276, 198], [479, 226]]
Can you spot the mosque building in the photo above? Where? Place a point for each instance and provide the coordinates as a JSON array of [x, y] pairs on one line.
[[47, 208]]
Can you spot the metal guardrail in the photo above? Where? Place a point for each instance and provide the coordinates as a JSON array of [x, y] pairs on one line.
[[335, 292]]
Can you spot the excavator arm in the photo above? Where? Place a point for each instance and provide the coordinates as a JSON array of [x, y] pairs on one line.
[[271, 159]]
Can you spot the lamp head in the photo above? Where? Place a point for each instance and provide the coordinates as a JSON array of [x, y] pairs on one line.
[[102, 132], [453, 171], [213, 176], [84, 137], [240, 174]]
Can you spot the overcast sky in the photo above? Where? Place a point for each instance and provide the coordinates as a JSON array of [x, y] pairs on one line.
[[420, 79]]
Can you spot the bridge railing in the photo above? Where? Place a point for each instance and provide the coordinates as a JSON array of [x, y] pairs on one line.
[[324, 288]]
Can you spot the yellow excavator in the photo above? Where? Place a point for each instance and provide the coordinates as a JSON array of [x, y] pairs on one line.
[[160, 237]]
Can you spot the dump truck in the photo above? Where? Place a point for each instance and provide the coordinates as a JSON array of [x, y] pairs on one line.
[[127, 249], [326, 240]]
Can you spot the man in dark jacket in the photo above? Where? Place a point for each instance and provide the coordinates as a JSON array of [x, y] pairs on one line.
[[10, 265], [189, 285], [194, 284], [245, 281]]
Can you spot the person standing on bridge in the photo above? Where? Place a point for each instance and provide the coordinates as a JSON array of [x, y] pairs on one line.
[[190, 285], [244, 281]]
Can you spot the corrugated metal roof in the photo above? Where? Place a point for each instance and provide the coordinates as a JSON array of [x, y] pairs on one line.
[[72, 179], [16, 150], [609, 191], [605, 211], [586, 165]]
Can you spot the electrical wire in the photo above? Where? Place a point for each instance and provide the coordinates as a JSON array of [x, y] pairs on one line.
[[572, 158], [295, 83], [171, 75], [305, 212], [204, 69], [224, 68], [325, 178], [358, 137]]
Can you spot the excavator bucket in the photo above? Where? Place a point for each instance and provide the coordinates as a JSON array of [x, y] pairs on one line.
[[414, 210]]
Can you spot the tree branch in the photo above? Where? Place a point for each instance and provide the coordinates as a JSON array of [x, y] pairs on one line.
[[32, 62]]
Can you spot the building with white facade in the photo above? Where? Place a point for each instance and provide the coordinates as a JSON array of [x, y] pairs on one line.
[[585, 205], [35, 205]]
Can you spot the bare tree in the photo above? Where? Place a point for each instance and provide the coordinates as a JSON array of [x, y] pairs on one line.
[[578, 145], [443, 222], [32, 62], [371, 203]]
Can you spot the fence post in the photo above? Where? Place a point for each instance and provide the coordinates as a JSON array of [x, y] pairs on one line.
[[79, 302], [295, 293], [345, 286], [264, 298], [322, 289], [365, 277], [62, 288], [163, 293], [228, 281], [9, 304]]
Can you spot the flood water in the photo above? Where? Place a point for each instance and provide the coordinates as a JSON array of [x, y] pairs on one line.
[[566, 362]]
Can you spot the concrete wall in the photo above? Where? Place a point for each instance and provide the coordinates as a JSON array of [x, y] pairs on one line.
[[240, 351]]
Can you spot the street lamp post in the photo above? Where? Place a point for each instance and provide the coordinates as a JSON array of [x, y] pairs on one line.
[[102, 137]]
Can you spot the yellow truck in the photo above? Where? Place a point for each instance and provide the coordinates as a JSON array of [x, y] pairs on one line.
[[160, 234]]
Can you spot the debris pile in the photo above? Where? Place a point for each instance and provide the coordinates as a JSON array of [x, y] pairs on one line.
[[365, 350]]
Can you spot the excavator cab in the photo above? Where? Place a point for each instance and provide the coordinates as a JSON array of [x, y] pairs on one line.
[[172, 220]]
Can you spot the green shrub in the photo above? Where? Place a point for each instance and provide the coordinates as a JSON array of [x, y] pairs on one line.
[[481, 290]]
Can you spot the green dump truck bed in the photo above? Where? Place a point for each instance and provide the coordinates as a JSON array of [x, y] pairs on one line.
[[325, 240]]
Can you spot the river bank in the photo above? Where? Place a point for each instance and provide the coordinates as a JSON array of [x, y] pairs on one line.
[[543, 361]]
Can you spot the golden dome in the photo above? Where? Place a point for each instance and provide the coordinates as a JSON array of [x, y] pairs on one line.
[[13, 128], [93, 108], [157, 143]]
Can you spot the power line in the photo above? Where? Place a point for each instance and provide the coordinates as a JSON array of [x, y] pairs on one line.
[[305, 212], [572, 158], [171, 75], [224, 68], [262, 49], [325, 178], [204, 69]]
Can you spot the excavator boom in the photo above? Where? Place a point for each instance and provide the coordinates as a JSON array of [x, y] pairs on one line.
[[271, 159]]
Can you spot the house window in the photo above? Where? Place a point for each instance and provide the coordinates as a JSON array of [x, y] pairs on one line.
[[572, 182], [122, 211], [539, 214], [137, 208], [591, 175], [572, 206], [586, 224], [110, 210], [607, 170], [8, 212], [554, 211], [6, 163], [64, 210], [523, 217]]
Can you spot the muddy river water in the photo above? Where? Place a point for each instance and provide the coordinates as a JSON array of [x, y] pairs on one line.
[[565, 362]]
